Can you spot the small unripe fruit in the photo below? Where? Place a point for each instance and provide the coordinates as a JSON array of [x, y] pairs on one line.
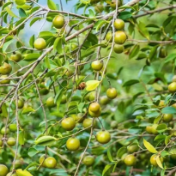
[[73, 144], [99, 8], [109, 36], [111, 93], [132, 148], [119, 24], [94, 107], [5, 68], [3, 79], [103, 137], [11, 141], [68, 123], [172, 87], [88, 160], [3, 170], [161, 103], [13, 127], [97, 65], [16, 57], [163, 52], [50, 162], [104, 100], [120, 37], [88, 122], [42, 160], [58, 21], [167, 117], [118, 48], [40, 44], [20, 103], [50, 102], [3, 130], [130, 160]]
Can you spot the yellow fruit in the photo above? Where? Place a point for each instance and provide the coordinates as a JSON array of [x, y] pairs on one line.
[[120, 37], [94, 114], [119, 24], [161, 103], [58, 21], [3, 170], [68, 123], [88, 160], [132, 148], [3, 130], [88, 122], [172, 87], [42, 161], [20, 103], [118, 48], [11, 141], [94, 107], [130, 160], [50, 102], [50, 162], [11, 174], [40, 44], [3, 79], [153, 160], [111, 93], [16, 57], [5, 68], [109, 36], [167, 117], [103, 137], [73, 144], [21, 172], [97, 65]]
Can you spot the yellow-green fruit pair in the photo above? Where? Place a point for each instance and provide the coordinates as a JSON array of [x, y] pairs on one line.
[[94, 109], [73, 144], [48, 162], [103, 137]]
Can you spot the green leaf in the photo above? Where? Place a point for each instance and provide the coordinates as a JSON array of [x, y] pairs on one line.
[[51, 5], [109, 155], [99, 24], [34, 20], [58, 45], [161, 127], [31, 57], [32, 152], [21, 138], [22, 13], [168, 110], [91, 13], [143, 30], [134, 51], [107, 167], [10, 12], [130, 82], [125, 15], [31, 41], [92, 85], [44, 139], [149, 147], [158, 161], [170, 57]]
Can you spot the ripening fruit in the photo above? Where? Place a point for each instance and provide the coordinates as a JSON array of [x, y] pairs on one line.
[[97, 65], [119, 24], [11, 174], [153, 160], [161, 103], [104, 100], [50, 102], [163, 52], [5, 68], [94, 114], [50, 162], [13, 127], [73, 144], [132, 148], [118, 48], [167, 117], [103, 137], [20, 103], [42, 161], [40, 44], [3, 170], [114, 124], [63, 99], [120, 37], [111, 93], [152, 129], [99, 8], [11, 141], [91, 96], [3, 130], [68, 123], [130, 160], [172, 87], [58, 21], [16, 57], [109, 36], [173, 153], [88, 122], [3, 79], [94, 107], [88, 160]]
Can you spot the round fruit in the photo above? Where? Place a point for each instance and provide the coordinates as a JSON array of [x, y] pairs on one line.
[[58, 21], [16, 57], [94, 114], [88, 160], [13, 127], [153, 160], [3, 130], [163, 52], [42, 160], [63, 99], [20, 103], [5, 68], [94, 107], [173, 153], [119, 24], [130, 160], [111, 93], [104, 100], [43, 89], [161, 103], [152, 129], [132, 148], [3, 79], [99, 8], [19, 163], [50, 102], [91, 96], [172, 87], [109, 36], [40, 44], [11, 174], [88, 122], [3, 170], [68, 123], [11, 141], [73, 144], [114, 124], [118, 48], [103, 137], [120, 37], [167, 117], [50, 162], [97, 65]]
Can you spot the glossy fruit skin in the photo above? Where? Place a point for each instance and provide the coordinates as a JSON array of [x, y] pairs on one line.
[[40, 44], [13, 127], [130, 160], [94, 114], [42, 160], [88, 160], [16, 57], [118, 48], [103, 137], [109, 36], [3, 170], [73, 144], [104, 100], [10, 174], [153, 160], [50, 102], [20, 103], [172, 87], [3, 130], [132, 148], [97, 65], [167, 117], [58, 21], [50, 162], [120, 37], [68, 123], [111, 93], [4, 80], [5, 68], [94, 107], [119, 24], [11, 141], [88, 122]]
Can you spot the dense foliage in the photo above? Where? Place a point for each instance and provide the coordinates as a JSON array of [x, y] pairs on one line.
[[91, 91]]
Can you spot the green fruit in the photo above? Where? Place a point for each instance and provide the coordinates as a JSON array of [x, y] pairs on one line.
[[167, 117], [58, 21], [88, 122], [42, 161], [120, 37], [16, 57], [50, 102], [162, 52], [13, 127], [43, 89], [114, 124], [94, 114], [132, 148], [97, 65], [99, 8], [109, 36], [20, 103], [91, 96], [172, 87], [50, 162], [5, 68], [3, 170], [94, 107], [104, 100], [19, 163], [73, 144], [118, 48], [11, 141], [111, 93], [119, 24], [88, 160], [3, 130], [130, 160], [40, 44], [68, 123], [3, 79], [103, 137]]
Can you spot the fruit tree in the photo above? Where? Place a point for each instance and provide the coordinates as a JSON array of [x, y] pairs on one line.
[[87, 87]]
